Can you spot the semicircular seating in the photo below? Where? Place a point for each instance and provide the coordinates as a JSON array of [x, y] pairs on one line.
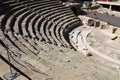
[[39, 19], [30, 28], [27, 23], [10, 26]]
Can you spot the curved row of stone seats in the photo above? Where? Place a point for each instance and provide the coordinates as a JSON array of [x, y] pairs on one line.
[[9, 13], [17, 22], [42, 30], [24, 26], [59, 39], [41, 4], [56, 18], [39, 21], [36, 3], [70, 28], [24, 20], [51, 18], [13, 39], [61, 23], [19, 45], [53, 34], [45, 29], [32, 24], [48, 24], [37, 28], [11, 27], [28, 26]]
